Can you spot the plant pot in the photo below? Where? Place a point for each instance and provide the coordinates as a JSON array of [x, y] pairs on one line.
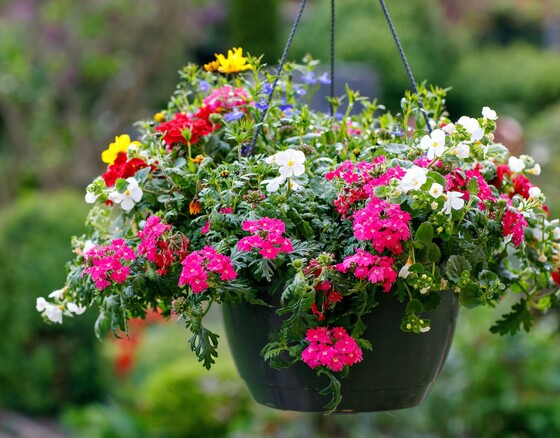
[[398, 373]]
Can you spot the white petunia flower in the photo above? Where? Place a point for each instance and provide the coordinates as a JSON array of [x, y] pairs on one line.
[[449, 128], [130, 197], [434, 144], [274, 183], [52, 311], [290, 162], [463, 150], [534, 192], [516, 164], [488, 113], [535, 170], [436, 190], [91, 197], [404, 271], [414, 178], [472, 126], [454, 201], [74, 308]]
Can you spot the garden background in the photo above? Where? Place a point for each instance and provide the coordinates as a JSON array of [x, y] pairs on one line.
[[73, 75]]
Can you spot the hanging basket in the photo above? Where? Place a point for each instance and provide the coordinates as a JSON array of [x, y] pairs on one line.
[[398, 373]]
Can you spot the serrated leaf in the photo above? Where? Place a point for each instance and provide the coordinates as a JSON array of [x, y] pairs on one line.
[[414, 306], [512, 322], [456, 265], [204, 343], [472, 186], [433, 253], [470, 296], [425, 232]]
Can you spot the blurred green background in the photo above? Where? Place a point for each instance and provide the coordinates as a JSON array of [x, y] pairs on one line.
[[75, 74]]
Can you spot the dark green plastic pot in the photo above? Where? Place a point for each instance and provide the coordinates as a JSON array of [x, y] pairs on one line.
[[397, 374]]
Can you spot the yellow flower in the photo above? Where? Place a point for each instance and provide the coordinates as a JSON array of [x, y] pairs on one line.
[[159, 117], [198, 159], [194, 206], [212, 66], [234, 63], [121, 144]]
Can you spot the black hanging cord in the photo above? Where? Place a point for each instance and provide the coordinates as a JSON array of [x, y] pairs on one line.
[[332, 56], [251, 146], [405, 62]]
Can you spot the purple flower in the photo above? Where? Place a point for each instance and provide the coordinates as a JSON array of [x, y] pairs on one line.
[[300, 91], [309, 78], [324, 79], [267, 88], [203, 86], [261, 105], [234, 115]]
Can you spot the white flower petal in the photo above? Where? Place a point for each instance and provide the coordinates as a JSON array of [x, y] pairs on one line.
[[74, 308], [488, 113]]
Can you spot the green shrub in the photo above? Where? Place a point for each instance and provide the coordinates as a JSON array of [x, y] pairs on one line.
[[43, 368]]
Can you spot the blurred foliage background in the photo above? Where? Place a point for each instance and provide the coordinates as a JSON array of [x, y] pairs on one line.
[[73, 75]]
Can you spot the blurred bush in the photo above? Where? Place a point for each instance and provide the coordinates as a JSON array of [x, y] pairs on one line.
[[43, 367]]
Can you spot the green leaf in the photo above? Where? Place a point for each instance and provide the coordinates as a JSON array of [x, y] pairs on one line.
[[425, 232], [433, 253], [471, 296], [512, 322], [456, 265], [204, 343], [472, 186], [414, 306], [333, 389]]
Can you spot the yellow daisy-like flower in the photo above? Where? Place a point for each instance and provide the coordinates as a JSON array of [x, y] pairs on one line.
[[234, 63], [159, 117], [212, 66], [121, 144]]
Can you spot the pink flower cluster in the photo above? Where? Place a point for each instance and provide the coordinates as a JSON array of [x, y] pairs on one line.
[[374, 268], [386, 225], [333, 348], [104, 263], [457, 181], [198, 264], [266, 234], [225, 98], [153, 247], [514, 224]]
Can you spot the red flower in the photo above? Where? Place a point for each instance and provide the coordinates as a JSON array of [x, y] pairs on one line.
[[122, 168], [556, 276], [198, 124]]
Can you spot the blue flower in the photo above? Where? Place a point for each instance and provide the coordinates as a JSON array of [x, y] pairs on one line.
[[203, 86], [234, 115], [267, 88], [300, 91], [261, 105]]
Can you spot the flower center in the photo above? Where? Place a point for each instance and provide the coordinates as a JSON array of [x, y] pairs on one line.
[[291, 163], [127, 192]]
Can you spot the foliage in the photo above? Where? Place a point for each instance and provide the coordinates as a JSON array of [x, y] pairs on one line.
[[43, 368], [328, 209]]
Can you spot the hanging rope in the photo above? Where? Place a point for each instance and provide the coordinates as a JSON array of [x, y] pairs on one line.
[[332, 56], [251, 146], [405, 62]]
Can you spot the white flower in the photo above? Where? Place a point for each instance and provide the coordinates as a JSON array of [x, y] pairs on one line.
[[556, 233], [434, 143], [274, 183], [424, 329], [57, 294], [88, 245], [91, 197], [535, 170], [516, 164], [454, 201], [537, 233], [52, 311], [542, 258], [414, 178], [534, 192], [463, 150], [74, 308], [449, 128], [130, 197], [425, 290], [488, 113], [290, 162], [436, 190], [472, 126], [404, 271]]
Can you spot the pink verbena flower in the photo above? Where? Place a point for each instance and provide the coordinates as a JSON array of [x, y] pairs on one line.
[[266, 235], [376, 269], [153, 247], [514, 224], [225, 98], [333, 349], [198, 264], [386, 225], [106, 262]]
